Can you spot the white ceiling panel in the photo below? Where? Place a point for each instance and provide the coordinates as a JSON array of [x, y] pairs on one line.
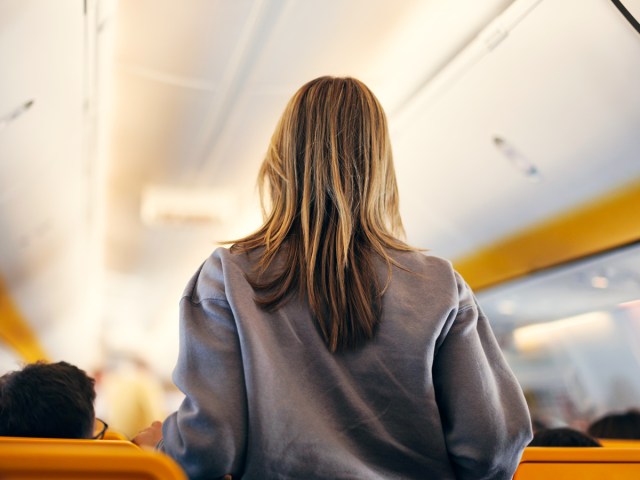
[[189, 39], [152, 137]]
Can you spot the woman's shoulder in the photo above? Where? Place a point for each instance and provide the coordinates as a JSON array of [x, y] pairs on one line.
[[208, 281], [416, 269], [420, 261], [222, 258]]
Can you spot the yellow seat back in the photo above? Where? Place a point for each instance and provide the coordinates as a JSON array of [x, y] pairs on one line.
[[585, 463], [58, 459], [619, 443], [111, 435], [44, 442]]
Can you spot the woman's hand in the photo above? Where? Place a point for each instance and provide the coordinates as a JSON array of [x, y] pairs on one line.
[[150, 436]]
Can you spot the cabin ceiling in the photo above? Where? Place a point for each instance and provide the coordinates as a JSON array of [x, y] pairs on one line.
[[143, 109]]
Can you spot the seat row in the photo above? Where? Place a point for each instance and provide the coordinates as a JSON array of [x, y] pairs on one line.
[[28, 458]]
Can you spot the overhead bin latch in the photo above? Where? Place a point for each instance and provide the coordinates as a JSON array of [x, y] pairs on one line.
[[495, 37]]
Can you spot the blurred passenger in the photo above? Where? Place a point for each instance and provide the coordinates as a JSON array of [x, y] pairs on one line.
[[562, 437], [130, 394], [51, 400], [624, 425], [322, 345]]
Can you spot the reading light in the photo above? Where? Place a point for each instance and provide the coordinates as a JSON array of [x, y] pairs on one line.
[[506, 307], [599, 281]]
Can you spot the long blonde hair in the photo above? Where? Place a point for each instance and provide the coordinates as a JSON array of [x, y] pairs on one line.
[[333, 206]]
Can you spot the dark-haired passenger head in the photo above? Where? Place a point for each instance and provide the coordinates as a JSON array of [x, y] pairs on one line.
[[50, 400], [617, 425], [562, 437]]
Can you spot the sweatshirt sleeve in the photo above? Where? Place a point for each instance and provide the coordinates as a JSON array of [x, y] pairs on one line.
[[484, 414], [207, 435]]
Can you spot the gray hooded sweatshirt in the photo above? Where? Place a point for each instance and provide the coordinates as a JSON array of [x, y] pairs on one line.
[[429, 397]]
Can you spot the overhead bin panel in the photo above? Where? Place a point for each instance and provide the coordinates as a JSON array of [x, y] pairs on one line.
[[556, 83]]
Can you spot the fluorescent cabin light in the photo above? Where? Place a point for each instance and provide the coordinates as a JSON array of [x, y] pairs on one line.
[[164, 205], [588, 325]]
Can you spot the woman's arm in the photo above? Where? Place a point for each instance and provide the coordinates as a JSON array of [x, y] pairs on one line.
[[484, 413], [207, 435]]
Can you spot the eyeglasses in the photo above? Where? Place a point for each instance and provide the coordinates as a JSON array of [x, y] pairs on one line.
[[100, 427]]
